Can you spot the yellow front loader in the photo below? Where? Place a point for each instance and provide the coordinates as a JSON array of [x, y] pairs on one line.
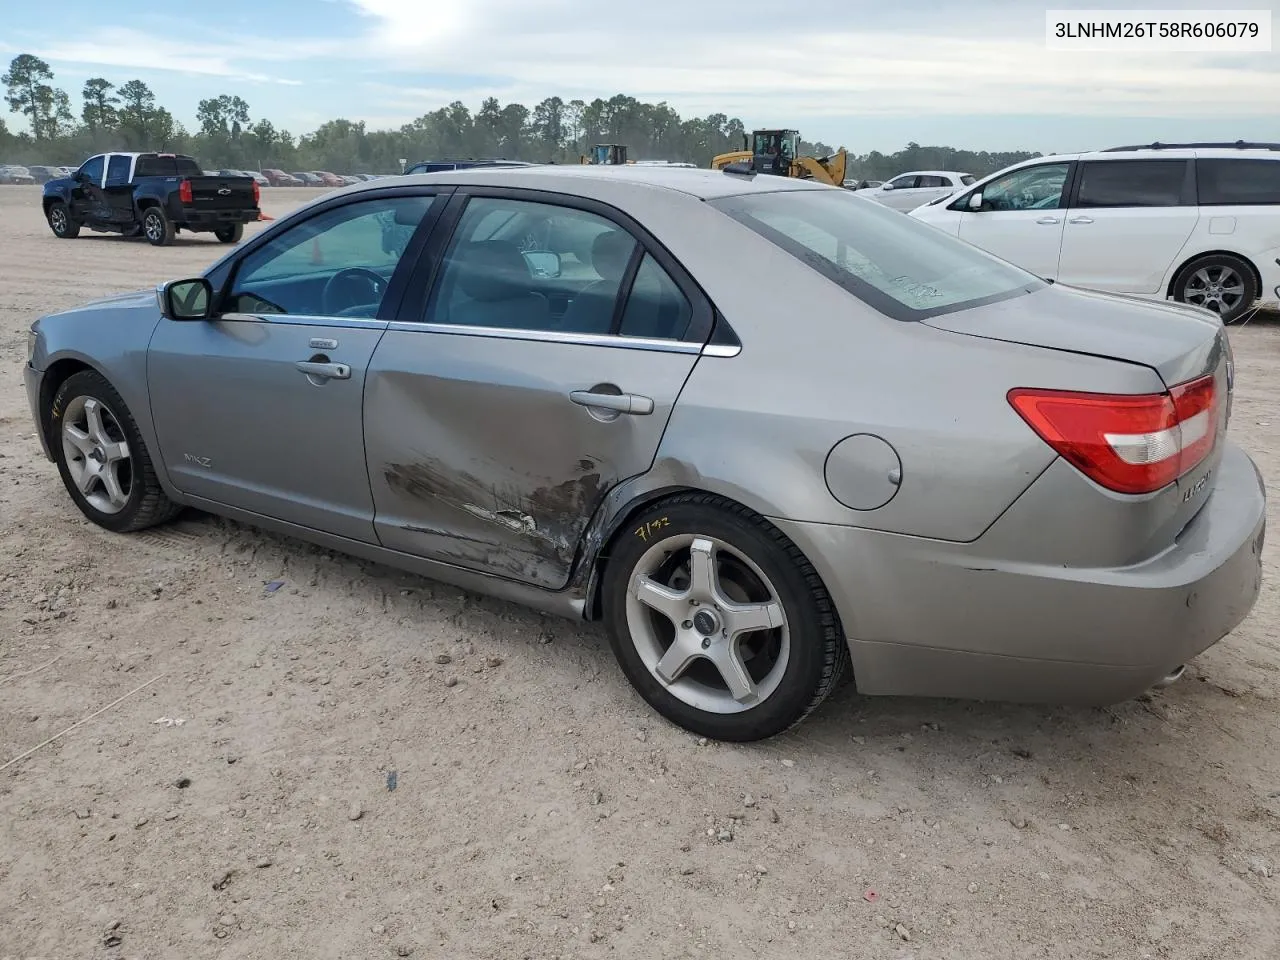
[[776, 152]]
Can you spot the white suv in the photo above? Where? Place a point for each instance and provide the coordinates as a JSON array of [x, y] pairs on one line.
[[909, 190], [1196, 222]]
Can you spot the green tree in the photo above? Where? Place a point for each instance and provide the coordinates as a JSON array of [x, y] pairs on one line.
[[99, 112], [29, 94], [138, 114]]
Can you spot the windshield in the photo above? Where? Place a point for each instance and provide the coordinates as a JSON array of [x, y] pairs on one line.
[[906, 269]]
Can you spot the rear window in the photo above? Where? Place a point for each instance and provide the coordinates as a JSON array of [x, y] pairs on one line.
[[1234, 182], [906, 269], [167, 167], [1132, 183]]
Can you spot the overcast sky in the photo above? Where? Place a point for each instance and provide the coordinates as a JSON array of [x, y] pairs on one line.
[[866, 75]]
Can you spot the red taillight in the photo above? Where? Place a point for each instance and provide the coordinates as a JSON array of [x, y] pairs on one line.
[[184, 191], [1124, 442], [257, 193]]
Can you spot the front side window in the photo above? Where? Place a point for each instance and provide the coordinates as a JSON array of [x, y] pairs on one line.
[[902, 267], [337, 263], [532, 266], [93, 169], [1234, 182], [904, 183], [1029, 188], [1132, 183]]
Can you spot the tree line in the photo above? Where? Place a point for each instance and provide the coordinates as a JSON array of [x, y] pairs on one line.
[[127, 117]]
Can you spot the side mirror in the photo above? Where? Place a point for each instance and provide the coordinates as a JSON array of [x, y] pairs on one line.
[[886, 186], [186, 299], [543, 264], [975, 200]]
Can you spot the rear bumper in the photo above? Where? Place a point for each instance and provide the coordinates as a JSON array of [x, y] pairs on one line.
[[930, 619], [194, 219]]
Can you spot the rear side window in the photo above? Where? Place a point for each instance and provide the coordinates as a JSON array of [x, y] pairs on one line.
[[967, 180], [117, 170], [1235, 182], [168, 167], [900, 266], [656, 308], [1132, 183]]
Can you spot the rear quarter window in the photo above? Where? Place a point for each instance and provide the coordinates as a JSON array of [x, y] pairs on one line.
[[906, 269], [1236, 182]]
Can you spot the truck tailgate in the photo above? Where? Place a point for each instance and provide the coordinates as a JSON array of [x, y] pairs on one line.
[[221, 193]]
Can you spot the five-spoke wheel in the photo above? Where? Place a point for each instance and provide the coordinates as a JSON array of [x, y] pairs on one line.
[[719, 621]]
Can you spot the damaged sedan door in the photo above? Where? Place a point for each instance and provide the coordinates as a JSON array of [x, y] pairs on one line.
[[549, 347]]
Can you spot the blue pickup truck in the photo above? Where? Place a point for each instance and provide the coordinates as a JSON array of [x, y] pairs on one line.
[[150, 194]]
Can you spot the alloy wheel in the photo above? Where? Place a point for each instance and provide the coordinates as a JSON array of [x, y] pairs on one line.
[[97, 454], [1217, 288], [708, 624]]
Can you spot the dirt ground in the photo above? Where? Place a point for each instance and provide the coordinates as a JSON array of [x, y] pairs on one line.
[[303, 777]]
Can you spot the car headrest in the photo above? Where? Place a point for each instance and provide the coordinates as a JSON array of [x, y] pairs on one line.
[[610, 252], [492, 270]]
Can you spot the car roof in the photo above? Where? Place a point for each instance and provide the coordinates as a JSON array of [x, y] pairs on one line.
[[704, 184], [931, 173]]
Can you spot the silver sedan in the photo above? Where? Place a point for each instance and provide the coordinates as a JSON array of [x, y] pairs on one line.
[[770, 433]]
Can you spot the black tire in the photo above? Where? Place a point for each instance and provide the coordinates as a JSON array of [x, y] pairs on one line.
[[231, 234], [818, 655], [1189, 286], [62, 224], [157, 227], [147, 505]]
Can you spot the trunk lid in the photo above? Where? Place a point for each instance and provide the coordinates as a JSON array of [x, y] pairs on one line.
[[1180, 343], [221, 193]]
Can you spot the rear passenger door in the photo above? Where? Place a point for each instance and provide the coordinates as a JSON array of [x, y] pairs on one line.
[[118, 190], [1126, 222], [538, 355]]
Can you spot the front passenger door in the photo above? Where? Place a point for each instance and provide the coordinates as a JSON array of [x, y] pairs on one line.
[[1021, 218], [261, 407], [495, 421]]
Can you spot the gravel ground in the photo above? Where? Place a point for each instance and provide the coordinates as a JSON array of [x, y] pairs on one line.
[[366, 764]]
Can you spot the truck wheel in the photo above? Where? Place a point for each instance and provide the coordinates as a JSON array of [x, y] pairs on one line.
[[230, 234], [157, 228], [61, 224]]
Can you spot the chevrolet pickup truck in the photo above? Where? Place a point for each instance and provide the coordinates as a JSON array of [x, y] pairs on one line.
[[150, 194]]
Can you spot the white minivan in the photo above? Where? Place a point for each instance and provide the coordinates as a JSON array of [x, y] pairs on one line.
[[1195, 222]]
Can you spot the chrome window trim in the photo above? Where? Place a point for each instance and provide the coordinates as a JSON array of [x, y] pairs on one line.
[[550, 336], [305, 320]]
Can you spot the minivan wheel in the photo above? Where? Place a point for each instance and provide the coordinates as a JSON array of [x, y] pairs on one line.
[[103, 461], [1218, 282], [61, 223], [719, 621]]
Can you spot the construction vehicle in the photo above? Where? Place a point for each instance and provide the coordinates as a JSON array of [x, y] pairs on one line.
[[777, 152], [609, 154]]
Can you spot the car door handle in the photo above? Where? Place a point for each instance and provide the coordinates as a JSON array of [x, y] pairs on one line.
[[1081, 220], [325, 371], [1048, 220], [622, 403]]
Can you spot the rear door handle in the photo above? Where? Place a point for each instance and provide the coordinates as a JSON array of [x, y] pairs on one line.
[[622, 403], [1080, 220], [324, 371], [1048, 220]]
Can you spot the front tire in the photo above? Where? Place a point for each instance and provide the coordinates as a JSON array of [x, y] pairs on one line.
[[101, 457], [157, 227], [231, 234], [1219, 282], [62, 224], [719, 621]]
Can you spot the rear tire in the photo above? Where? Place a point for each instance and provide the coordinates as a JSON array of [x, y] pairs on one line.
[[231, 234], [157, 227], [61, 222], [1219, 282], [101, 456], [704, 665]]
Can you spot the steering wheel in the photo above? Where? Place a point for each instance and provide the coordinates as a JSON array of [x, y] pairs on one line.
[[329, 297]]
